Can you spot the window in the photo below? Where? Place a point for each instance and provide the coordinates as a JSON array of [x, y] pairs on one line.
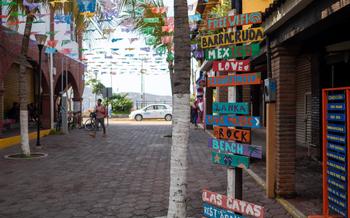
[[161, 107]]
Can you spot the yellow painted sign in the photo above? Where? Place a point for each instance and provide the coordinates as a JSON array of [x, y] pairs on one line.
[[232, 38]]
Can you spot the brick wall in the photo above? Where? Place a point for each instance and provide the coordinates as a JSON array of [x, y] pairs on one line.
[[283, 70], [1, 100]]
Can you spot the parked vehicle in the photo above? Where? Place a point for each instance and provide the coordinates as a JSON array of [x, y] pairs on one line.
[[155, 111]]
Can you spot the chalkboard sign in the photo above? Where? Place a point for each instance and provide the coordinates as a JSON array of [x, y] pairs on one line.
[[336, 161]]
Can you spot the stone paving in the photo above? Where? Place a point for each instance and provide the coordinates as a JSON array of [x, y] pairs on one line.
[[123, 175]]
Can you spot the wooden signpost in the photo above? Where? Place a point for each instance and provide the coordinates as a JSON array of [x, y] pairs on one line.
[[231, 108], [232, 52], [233, 38], [231, 66], [235, 80], [228, 203], [233, 21], [232, 134], [223, 146], [231, 120]]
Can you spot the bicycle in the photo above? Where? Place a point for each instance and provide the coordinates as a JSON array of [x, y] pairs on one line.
[[90, 124]]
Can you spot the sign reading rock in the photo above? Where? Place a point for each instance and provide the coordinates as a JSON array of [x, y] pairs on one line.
[[231, 66], [228, 203], [236, 20], [232, 38], [231, 120], [231, 108], [235, 148], [235, 80], [238, 135], [230, 160], [232, 52]]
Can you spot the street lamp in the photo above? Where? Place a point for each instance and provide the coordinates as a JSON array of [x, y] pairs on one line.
[[40, 39]]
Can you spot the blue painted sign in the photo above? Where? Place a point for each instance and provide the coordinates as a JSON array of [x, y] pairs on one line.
[[87, 6], [211, 211], [336, 128], [231, 108], [230, 160], [231, 120], [340, 97], [336, 117], [336, 152], [336, 107], [223, 146]]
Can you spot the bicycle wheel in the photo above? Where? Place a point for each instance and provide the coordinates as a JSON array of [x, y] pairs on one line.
[[89, 125]]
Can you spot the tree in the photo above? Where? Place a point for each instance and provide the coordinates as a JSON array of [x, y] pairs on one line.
[[97, 86], [181, 115], [13, 9]]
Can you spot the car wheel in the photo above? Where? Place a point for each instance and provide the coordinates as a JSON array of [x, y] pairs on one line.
[[168, 117], [138, 117]]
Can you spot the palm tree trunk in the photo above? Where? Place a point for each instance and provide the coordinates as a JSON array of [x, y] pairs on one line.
[[181, 121], [23, 97]]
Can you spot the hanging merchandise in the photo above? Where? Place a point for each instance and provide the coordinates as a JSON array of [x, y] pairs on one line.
[[87, 6], [151, 20]]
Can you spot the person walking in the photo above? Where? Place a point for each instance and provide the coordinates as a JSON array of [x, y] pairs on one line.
[[101, 113], [194, 114]]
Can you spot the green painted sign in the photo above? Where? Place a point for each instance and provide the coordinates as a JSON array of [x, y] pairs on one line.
[[232, 52], [230, 160], [231, 108]]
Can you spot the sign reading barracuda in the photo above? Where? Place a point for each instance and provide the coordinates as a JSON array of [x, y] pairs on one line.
[[231, 120], [235, 80], [236, 20], [232, 52], [235, 205], [223, 146], [231, 66], [230, 160], [215, 212], [232, 38], [231, 108]]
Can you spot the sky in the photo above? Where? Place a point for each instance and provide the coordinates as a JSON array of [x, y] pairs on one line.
[[127, 69]]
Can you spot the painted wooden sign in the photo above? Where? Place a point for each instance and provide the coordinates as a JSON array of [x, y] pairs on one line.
[[223, 146], [232, 38], [231, 120], [211, 211], [336, 107], [232, 52], [340, 97], [237, 135], [235, 205], [336, 128], [235, 80], [230, 160], [231, 108], [336, 117], [231, 66], [233, 21]]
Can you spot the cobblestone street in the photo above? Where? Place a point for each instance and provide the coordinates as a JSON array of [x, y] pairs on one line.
[[123, 175]]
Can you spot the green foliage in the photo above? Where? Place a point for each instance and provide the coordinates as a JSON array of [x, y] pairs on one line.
[[97, 86], [121, 103], [220, 10]]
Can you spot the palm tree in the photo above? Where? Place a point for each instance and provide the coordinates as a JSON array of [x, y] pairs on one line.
[[13, 8], [181, 120]]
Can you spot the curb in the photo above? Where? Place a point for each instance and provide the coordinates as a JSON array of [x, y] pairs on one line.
[[14, 140], [291, 209]]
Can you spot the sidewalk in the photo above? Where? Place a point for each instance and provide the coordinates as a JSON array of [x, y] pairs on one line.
[[123, 175], [308, 178]]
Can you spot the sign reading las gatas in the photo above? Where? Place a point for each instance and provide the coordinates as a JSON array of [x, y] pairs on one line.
[[231, 38]]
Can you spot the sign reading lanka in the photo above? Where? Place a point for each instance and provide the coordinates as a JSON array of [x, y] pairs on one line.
[[231, 38]]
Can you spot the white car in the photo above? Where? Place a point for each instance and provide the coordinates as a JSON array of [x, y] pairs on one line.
[[157, 111]]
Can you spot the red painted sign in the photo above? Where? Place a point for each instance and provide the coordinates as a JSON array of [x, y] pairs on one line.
[[228, 203], [231, 66]]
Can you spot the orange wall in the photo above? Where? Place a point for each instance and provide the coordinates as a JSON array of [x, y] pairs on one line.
[[255, 5]]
